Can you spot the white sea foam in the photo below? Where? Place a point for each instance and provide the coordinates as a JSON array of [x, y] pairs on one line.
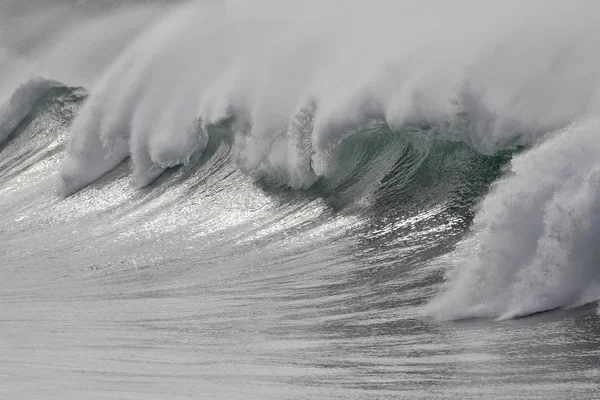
[[535, 236], [516, 71]]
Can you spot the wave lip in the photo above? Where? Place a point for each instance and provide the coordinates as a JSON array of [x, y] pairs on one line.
[[16, 108]]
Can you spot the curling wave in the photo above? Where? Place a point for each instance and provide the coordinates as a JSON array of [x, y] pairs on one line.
[[314, 101]]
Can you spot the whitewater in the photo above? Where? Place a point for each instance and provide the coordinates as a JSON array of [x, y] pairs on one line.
[[294, 200]]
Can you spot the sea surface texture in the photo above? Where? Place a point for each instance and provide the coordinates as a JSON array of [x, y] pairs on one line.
[[299, 199]]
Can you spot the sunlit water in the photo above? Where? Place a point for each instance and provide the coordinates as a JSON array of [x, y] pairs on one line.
[[211, 287], [295, 200]]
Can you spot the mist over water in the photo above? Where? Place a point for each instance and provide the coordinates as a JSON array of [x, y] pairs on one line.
[[308, 193]]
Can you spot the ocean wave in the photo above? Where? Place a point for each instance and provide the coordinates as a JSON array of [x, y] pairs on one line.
[[13, 111], [323, 101], [215, 62]]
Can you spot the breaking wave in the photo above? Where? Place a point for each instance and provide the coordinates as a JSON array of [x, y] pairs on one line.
[[486, 112]]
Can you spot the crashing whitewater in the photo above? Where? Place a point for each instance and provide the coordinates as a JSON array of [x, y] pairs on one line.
[[294, 84]]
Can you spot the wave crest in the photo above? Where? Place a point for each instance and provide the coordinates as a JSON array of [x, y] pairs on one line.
[[293, 86], [208, 62], [20, 104]]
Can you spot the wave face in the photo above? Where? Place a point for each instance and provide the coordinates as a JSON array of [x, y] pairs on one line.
[[296, 86], [293, 89], [307, 174], [21, 103]]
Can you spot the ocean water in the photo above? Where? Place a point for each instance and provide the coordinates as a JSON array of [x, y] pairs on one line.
[[299, 200]]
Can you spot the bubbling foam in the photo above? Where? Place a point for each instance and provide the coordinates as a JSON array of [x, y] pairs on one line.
[[534, 245]]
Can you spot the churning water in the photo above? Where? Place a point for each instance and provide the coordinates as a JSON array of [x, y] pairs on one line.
[[298, 200]]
